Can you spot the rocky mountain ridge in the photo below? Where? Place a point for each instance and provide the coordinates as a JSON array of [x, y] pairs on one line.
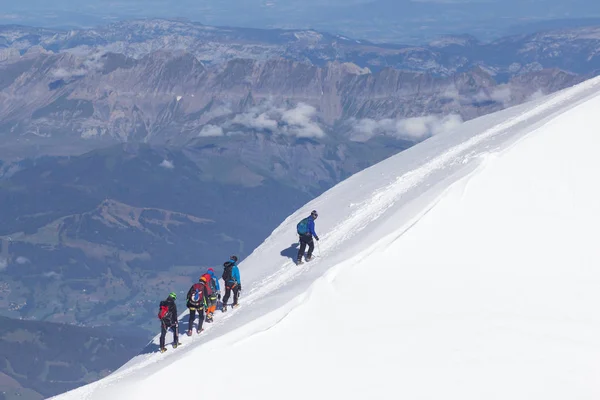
[[171, 97], [570, 49]]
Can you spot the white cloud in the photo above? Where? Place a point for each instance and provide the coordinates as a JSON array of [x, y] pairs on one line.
[[217, 111], [299, 121], [3, 263], [63, 73], [167, 164], [22, 260], [92, 63], [409, 128], [211, 130], [51, 274], [253, 120], [501, 94], [536, 95], [451, 92]]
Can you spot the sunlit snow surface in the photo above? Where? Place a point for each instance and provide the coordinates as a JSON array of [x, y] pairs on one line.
[[466, 267]]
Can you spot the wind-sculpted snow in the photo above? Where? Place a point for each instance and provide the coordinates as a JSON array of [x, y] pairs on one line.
[[464, 267]]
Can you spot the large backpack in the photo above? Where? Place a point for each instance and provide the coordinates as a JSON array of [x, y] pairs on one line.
[[302, 227], [207, 285], [212, 285], [227, 275], [163, 311], [196, 295]]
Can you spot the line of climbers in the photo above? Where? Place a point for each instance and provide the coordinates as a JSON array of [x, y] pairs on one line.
[[202, 297], [205, 295]]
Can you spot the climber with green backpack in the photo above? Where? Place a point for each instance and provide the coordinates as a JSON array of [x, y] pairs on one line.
[[306, 232]]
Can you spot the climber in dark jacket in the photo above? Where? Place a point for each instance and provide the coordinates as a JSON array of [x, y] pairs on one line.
[[169, 322]]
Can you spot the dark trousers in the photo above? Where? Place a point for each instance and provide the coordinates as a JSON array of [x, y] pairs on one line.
[[163, 332], [193, 317], [306, 240], [228, 289]]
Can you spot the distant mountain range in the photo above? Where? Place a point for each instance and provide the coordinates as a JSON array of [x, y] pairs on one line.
[[170, 82], [569, 49]]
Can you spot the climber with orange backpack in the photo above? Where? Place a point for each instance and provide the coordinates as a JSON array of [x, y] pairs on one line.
[[214, 293]]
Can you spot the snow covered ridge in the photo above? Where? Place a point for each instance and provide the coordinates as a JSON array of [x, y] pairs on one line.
[[467, 261]]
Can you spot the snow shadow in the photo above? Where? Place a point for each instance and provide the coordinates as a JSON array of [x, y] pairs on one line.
[[291, 252]]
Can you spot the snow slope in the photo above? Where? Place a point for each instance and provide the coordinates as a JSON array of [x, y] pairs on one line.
[[465, 267]]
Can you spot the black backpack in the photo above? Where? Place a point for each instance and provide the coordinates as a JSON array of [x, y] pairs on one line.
[[227, 277]]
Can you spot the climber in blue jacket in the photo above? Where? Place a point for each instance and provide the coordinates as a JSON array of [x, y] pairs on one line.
[[233, 282], [306, 232]]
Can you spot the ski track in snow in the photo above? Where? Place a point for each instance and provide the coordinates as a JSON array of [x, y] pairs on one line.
[[361, 214]]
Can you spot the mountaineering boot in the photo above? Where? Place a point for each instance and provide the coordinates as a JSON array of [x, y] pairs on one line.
[[175, 345], [163, 349], [209, 317], [299, 262], [198, 331], [224, 309], [189, 332], [235, 305]]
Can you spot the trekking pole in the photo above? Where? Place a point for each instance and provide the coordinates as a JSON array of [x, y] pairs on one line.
[[319, 248]]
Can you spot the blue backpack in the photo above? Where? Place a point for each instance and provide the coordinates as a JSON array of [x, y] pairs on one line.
[[302, 227]]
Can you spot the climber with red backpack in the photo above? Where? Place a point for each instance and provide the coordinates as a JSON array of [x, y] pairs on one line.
[[167, 315], [196, 301]]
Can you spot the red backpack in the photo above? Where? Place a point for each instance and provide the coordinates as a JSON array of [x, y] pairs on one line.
[[163, 311]]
